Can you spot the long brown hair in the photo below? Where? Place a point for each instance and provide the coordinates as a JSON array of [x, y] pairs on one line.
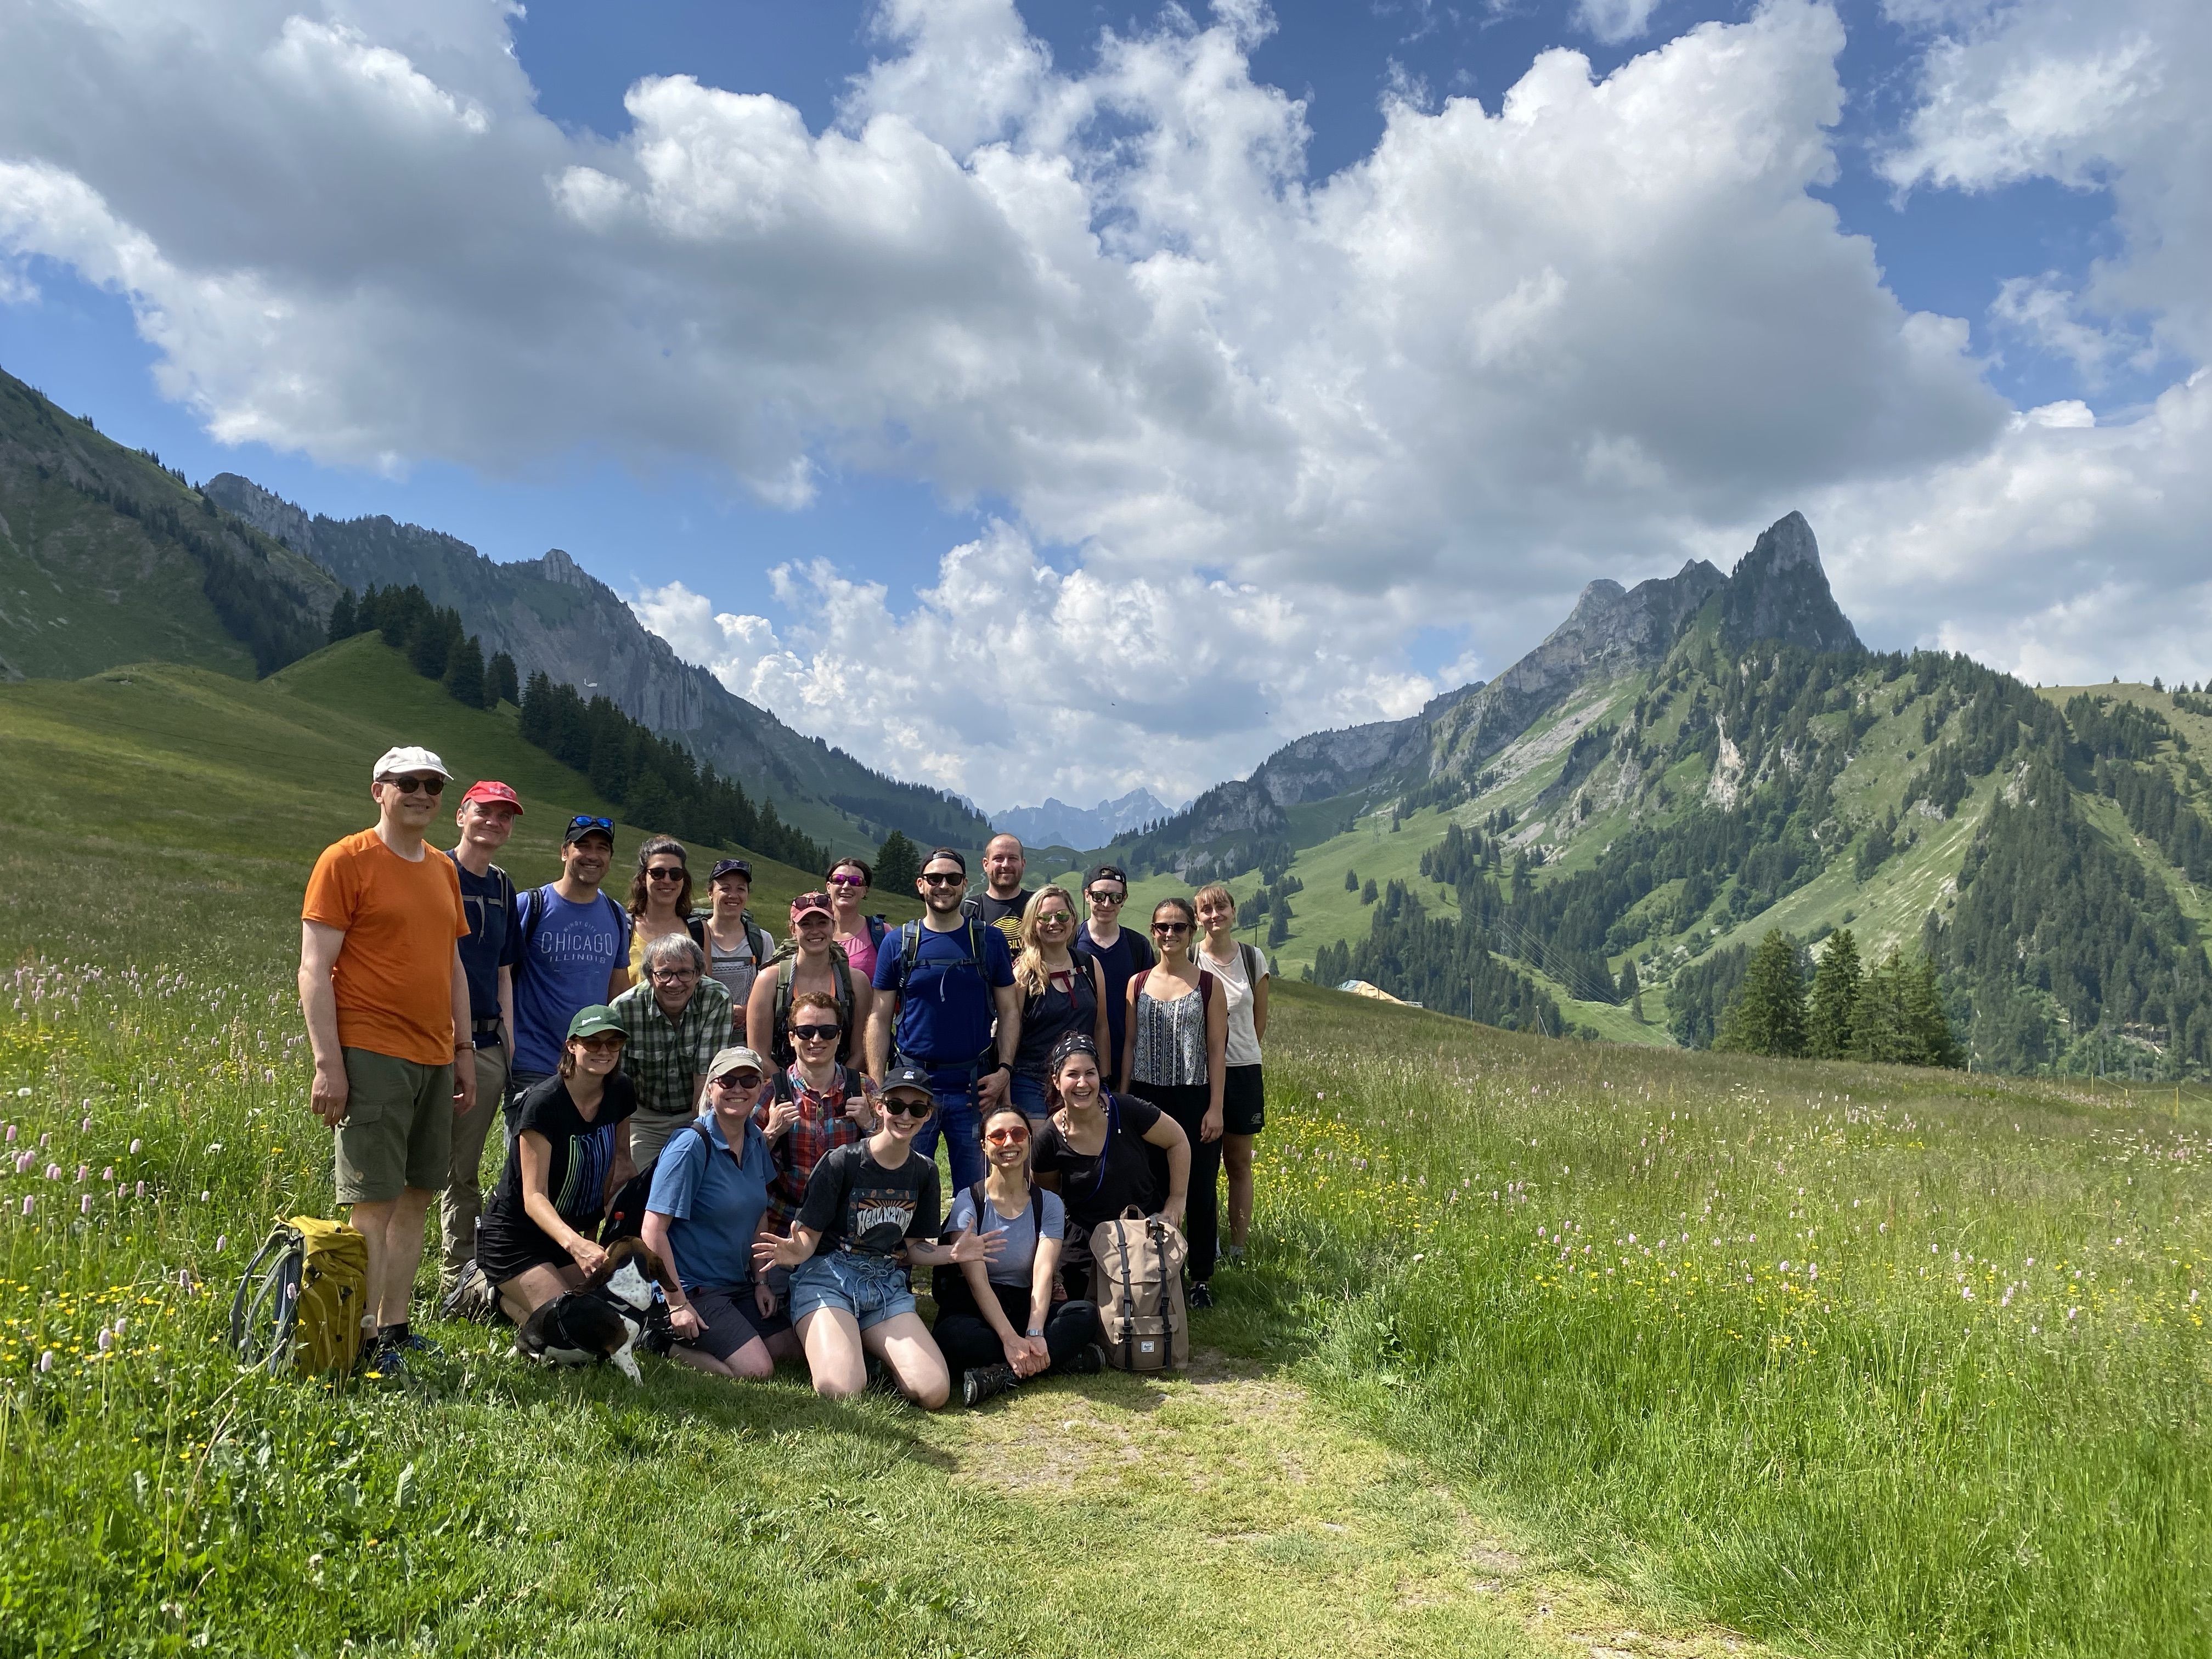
[[645, 855]]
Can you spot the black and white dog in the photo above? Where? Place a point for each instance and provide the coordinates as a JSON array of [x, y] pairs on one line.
[[619, 1310]]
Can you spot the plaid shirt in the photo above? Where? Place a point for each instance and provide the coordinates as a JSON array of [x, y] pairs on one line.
[[821, 1127], [663, 1056]]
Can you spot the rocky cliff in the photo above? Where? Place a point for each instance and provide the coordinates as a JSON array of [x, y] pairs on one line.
[[552, 616]]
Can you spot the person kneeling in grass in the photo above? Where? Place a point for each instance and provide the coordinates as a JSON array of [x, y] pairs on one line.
[[871, 1208], [571, 1153], [709, 1192], [997, 1324]]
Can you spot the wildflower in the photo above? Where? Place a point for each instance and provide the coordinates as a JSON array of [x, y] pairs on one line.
[[22, 1094], [205, 1196], [215, 1146], [118, 1327], [84, 1204], [83, 1171], [142, 1190], [135, 1146], [221, 1240], [45, 1359], [11, 1134], [107, 1339], [83, 1124], [27, 1204]]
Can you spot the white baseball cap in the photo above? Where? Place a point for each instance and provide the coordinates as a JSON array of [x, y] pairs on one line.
[[405, 759]]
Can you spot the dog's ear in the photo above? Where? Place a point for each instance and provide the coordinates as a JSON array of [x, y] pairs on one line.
[[648, 1263]]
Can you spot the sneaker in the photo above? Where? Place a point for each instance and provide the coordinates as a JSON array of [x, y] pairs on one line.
[[386, 1363], [978, 1385], [1233, 1256], [1089, 1363], [413, 1342], [1198, 1295]]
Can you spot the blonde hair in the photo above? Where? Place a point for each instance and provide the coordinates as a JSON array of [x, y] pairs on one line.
[[1028, 966], [1214, 889]]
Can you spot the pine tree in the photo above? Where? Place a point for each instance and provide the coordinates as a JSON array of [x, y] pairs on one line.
[[1768, 1014], [1636, 1009], [1367, 895], [1279, 930], [1928, 1030], [342, 625], [465, 672], [1836, 982], [898, 864], [1878, 1022], [1350, 881], [500, 683], [1626, 988], [430, 643]]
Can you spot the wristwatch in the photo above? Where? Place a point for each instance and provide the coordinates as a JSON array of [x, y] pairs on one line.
[[1038, 1331]]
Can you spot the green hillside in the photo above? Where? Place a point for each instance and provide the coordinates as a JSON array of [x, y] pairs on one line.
[[219, 792], [1685, 804], [106, 558]]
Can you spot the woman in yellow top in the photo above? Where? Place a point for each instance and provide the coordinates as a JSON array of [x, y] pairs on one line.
[[659, 899]]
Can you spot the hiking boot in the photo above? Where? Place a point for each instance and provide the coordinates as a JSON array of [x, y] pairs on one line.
[[1198, 1295], [981, 1383], [473, 1297], [386, 1363]]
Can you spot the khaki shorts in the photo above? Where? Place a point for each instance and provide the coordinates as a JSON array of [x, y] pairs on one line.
[[397, 1130]]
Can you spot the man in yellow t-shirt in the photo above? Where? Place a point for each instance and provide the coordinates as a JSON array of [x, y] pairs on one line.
[[387, 1008]]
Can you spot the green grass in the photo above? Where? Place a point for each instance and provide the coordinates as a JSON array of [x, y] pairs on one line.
[[1478, 1393]]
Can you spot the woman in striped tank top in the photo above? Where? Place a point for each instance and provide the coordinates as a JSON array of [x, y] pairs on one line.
[[1175, 1056]]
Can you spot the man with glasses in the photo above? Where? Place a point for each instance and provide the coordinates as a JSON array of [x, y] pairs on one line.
[[387, 1000], [1120, 955], [573, 952], [486, 818], [677, 1018], [940, 983]]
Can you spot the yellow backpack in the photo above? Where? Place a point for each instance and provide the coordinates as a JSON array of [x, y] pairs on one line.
[[299, 1302]]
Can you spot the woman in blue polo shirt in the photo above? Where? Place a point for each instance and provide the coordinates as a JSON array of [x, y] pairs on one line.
[[709, 1191]]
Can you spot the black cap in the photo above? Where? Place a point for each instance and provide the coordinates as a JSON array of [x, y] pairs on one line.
[[730, 867], [907, 1075], [952, 852], [1108, 873], [588, 824]]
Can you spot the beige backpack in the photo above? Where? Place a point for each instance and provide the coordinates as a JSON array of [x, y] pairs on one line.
[[1136, 1280]]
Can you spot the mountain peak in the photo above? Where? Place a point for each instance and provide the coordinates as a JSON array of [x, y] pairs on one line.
[[1778, 592]]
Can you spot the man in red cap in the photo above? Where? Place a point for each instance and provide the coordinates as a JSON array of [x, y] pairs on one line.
[[486, 818]]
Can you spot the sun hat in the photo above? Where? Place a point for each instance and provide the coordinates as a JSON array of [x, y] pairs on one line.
[[406, 757]]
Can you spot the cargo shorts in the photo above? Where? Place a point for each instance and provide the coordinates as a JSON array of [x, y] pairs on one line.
[[397, 1130]]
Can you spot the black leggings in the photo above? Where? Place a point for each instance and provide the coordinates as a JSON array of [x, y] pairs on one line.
[[1186, 1104], [968, 1342]]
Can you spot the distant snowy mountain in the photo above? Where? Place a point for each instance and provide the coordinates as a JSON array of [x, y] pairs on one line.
[[1057, 823]]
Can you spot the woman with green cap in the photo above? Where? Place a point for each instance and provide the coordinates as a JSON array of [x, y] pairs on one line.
[[571, 1151]]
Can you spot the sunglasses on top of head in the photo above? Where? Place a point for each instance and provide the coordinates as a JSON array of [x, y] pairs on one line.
[[586, 821]]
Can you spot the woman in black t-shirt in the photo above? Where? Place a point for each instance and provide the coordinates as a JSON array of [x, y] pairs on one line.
[[1098, 1154], [571, 1151], [1061, 992]]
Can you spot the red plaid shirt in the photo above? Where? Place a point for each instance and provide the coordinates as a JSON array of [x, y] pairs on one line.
[[821, 1127]]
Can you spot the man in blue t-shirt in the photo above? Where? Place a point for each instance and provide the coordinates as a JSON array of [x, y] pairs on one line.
[[947, 978], [486, 818], [573, 951]]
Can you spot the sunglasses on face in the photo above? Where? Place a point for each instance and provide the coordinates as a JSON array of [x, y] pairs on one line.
[[664, 872], [816, 1033], [1055, 919], [1172, 929], [600, 1045], [943, 877], [737, 1080], [586, 821], [1098, 897], [432, 786], [916, 1109], [1006, 1135], [846, 881]]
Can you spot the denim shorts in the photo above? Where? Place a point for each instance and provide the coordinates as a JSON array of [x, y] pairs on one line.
[[869, 1288]]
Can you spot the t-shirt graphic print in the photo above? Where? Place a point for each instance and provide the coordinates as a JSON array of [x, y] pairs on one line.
[[858, 1206]]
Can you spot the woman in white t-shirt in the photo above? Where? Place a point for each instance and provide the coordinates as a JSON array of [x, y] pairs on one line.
[[1243, 972]]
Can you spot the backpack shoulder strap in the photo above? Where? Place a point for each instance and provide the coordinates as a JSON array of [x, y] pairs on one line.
[[876, 928], [909, 951], [1250, 957], [757, 937], [535, 915], [697, 929]]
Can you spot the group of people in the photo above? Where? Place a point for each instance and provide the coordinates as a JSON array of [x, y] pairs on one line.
[[780, 1107]]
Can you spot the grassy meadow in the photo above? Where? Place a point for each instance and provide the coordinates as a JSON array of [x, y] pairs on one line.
[[1546, 1348]]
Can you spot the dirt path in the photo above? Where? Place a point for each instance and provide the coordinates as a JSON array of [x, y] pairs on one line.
[[1236, 1504]]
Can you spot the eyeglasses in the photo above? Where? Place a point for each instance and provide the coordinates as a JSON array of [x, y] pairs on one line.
[[1097, 897], [816, 1033], [600, 1045], [1006, 1135], [586, 821], [432, 786], [1172, 929], [674, 975], [846, 881], [913, 1109], [666, 872], [737, 1080], [943, 877]]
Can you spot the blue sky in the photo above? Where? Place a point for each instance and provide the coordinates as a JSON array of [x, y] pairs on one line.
[[885, 502]]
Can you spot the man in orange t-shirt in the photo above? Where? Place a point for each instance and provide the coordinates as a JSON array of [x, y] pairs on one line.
[[387, 1008]]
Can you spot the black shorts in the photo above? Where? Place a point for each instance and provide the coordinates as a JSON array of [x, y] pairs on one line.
[[507, 1248], [730, 1319], [1244, 1101]]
